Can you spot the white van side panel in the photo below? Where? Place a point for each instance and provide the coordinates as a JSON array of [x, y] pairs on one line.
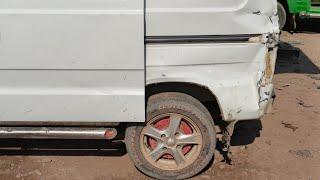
[[234, 72], [72, 60], [210, 17], [71, 95], [201, 42], [73, 34]]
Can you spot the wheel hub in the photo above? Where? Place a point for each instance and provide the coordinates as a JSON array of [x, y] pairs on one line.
[[171, 142], [163, 124]]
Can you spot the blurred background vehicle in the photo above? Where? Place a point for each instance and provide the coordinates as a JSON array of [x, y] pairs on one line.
[[290, 10]]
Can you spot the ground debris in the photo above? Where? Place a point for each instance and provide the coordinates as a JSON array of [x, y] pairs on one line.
[[314, 76], [289, 125], [301, 103], [45, 160], [35, 172], [302, 153], [268, 142], [295, 43], [286, 85], [204, 177]]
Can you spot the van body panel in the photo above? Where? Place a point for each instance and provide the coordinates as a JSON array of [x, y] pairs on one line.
[[238, 80], [207, 17], [72, 60], [237, 70], [84, 61]]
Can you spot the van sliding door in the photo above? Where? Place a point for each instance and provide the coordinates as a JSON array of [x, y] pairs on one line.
[[71, 61]]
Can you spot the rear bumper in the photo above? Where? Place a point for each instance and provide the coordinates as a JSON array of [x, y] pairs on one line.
[[267, 102], [270, 103]]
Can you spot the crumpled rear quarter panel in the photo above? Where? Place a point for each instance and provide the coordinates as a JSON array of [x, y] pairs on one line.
[[239, 74], [232, 72]]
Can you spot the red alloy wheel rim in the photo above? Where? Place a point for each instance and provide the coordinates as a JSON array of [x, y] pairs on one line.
[[162, 125]]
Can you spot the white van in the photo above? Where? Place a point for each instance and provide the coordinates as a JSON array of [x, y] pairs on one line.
[[165, 70]]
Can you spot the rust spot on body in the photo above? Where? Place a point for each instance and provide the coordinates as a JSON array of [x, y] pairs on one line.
[[269, 68]]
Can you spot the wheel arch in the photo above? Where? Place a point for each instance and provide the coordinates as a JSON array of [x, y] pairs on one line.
[[199, 92]]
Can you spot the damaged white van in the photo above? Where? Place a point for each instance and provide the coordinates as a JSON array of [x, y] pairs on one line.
[[161, 71]]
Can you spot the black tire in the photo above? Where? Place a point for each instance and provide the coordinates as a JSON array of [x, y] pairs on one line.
[[186, 106], [282, 16]]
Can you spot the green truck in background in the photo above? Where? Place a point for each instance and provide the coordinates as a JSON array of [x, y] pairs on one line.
[[289, 10]]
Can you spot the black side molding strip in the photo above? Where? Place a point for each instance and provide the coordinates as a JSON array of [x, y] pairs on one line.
[[198, 39]]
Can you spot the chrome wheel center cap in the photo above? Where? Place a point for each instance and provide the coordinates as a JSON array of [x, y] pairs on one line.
[[171, 142]]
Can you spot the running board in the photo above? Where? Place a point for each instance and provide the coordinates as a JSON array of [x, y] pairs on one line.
[[57, 133]]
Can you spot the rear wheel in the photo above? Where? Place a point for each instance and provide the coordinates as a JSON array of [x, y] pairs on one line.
[[178, 140]]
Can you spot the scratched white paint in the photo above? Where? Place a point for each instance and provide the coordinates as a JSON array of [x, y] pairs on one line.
[[84, 61], [233, 72]]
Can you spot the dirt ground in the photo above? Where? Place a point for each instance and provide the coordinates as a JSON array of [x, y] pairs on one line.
[[284, 145]]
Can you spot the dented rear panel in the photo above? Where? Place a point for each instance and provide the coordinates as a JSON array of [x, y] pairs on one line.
[[227, 46]]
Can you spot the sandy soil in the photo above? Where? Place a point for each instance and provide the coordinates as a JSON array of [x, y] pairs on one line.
[[283, 145]]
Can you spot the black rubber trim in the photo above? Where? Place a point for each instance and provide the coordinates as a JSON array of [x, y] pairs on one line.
[[198, 39]]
